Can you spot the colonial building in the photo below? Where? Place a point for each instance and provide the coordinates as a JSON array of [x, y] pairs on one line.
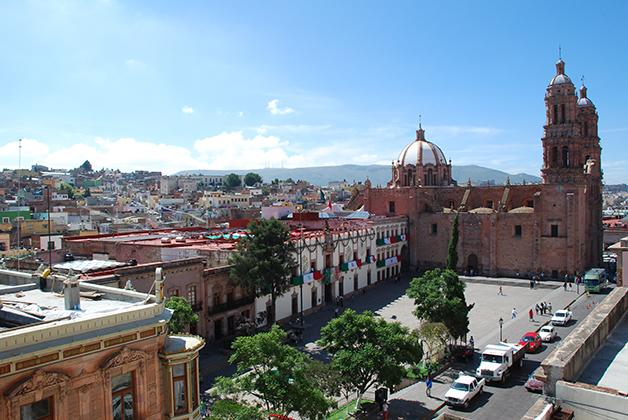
[[554, 228], [95, 352]]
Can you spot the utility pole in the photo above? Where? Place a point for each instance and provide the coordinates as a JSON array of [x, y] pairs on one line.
[[301, 264]]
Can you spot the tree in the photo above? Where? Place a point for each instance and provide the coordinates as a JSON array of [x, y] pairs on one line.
[[263, 260], [86, 166], [235, 410], [368, 350], [233, 180], [452, 251], [282, 377], [251, 179], [439, 297], [433, 337], [87, 192], [182, 314], [67, 187]]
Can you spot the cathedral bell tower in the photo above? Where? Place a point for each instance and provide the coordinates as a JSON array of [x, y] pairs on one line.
[[571, 146]]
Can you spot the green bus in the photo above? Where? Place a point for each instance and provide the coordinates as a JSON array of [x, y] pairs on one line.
[[595, 280]]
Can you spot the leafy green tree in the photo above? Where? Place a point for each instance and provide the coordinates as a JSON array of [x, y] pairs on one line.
[[439, 297], [233, 181], [282, 377], [251, 179], [87, 192], [275, 181], [263, 260], [433, 337], [368, 350], [452, 251], [182, 314], [69, 188], [235, 410], [289, 180]]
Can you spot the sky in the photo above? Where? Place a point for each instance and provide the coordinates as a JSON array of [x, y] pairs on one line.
[[219, 85]]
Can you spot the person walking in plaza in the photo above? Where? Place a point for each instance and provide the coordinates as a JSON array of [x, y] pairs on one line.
[[472, 343], [531, 316], [336, 312], [537, 309], [500, 291], [514, 313], [385, 410], [428, 387], [549, 308]]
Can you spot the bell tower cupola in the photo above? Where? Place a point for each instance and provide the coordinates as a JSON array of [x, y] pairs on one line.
[[570, 139]]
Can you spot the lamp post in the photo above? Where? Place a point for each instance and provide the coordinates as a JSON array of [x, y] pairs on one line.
[[501, 323]]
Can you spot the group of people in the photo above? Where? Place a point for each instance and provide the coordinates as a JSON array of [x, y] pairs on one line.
[[543, 308]]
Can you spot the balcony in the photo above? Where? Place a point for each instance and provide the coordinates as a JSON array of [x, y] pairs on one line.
[[234, 304]]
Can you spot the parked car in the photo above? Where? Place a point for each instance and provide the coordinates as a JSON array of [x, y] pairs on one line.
[[463, 390], [533, 384], [547, 333], [533, 339], [561, 317]]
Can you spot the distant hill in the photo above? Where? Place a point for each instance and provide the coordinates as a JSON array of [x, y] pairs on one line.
[[377, 174]]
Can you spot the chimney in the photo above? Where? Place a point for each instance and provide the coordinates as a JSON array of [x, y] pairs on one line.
[[71, 293]]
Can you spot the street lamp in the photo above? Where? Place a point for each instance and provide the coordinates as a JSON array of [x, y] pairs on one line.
[[501, 323]]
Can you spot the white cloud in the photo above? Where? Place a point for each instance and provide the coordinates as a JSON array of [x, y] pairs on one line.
[[275, 110], [188, 110], [32, 152], [233, 151]]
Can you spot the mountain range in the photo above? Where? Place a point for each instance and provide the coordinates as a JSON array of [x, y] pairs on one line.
[[377, 174]]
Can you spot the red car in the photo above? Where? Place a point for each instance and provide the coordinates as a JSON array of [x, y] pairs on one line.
[[533, 340]]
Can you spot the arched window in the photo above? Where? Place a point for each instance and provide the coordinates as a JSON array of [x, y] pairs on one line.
[[565, 156], [554, 156], [586, 129], [562, 113], [429, 177], [555, 114]]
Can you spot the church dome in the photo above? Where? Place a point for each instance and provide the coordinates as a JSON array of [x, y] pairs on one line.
[[421, 152], [584, 101], [561, 78]]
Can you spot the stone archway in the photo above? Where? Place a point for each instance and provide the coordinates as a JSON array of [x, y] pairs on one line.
[[472, 264], [405, 259]]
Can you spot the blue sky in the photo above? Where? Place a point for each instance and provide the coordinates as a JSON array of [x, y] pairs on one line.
[[169, 86]]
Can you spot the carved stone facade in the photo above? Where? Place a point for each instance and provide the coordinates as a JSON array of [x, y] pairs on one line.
[[554, 228]]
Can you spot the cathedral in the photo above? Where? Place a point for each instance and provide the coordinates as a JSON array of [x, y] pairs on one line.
[[550, 229]]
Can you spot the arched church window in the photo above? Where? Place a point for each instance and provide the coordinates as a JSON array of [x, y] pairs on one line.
[[565, 156], [554, 155], [555, 114], [562, 113], [429, 177], [586, 129]]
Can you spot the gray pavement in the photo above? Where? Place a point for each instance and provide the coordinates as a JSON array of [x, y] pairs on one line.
[[389, 301]]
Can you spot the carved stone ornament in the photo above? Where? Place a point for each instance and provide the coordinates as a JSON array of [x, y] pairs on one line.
[[125, 356], [40, 380]]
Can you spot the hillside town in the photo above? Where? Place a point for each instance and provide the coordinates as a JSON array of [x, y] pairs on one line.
[[95, 262]]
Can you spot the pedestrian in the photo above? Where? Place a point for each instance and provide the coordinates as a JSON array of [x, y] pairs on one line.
[[341, 301], [385, 410], [531, 316], [336, 312], [460, 374], [500, 291], [472, 343], [544, 306], [549, 308], [428, 387], [532, 284], [565, 286], [514, 313], [536, 308], [570, 284]]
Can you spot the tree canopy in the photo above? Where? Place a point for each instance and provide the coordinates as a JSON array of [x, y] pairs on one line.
[[368, 350], [439, 297], [263, 260], [67, 187], [452, 251], [282, 377], [233, 180], [182, 315], [251, 179]]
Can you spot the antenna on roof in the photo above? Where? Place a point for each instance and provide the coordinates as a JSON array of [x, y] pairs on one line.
[[419, 121], [582, 80], [559, 53]]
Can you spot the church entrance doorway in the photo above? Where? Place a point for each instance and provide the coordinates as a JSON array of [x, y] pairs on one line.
[[405, 259], [472, 265]]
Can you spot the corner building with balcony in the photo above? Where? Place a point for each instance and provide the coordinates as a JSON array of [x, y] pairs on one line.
[[554, 228]]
